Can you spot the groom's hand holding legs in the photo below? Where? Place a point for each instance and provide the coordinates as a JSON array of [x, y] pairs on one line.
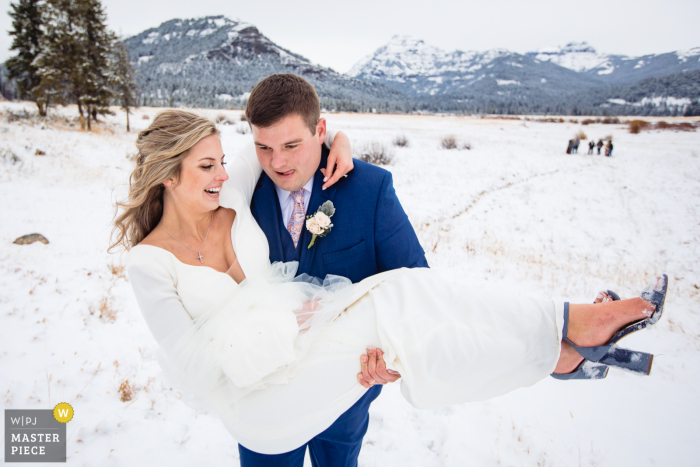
[[374, 369]]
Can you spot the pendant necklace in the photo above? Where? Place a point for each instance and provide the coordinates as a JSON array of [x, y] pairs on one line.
[[199, 255]]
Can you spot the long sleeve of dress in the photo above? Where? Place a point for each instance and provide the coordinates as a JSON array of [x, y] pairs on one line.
[[154, 286], [244, 169]]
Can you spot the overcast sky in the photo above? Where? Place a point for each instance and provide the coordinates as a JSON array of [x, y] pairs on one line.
[[338, 34]]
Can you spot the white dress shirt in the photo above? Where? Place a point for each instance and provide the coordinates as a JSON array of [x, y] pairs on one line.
[[287, 201]]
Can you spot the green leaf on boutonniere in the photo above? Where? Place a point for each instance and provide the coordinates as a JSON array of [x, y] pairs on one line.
[[327, 208]]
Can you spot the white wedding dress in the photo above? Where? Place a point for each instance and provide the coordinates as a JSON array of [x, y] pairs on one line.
[[238, 350]]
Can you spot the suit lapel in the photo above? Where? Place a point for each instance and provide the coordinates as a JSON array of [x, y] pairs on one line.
[[318, 197], [267, 214]]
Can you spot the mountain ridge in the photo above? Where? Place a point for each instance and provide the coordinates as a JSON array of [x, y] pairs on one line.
[[214, 62]]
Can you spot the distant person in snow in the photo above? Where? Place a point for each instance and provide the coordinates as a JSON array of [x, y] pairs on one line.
[[591, 146], [609, 148], [574, 147], [600, 145], [570, 147]]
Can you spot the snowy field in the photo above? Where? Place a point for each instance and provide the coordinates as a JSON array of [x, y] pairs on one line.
[[514, 211]]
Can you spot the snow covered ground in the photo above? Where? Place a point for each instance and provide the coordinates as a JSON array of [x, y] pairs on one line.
[[514, 211]]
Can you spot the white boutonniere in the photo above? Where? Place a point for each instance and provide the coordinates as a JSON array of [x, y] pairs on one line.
[[320, 223]]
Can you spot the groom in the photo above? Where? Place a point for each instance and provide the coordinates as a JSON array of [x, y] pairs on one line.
[[371, 232]]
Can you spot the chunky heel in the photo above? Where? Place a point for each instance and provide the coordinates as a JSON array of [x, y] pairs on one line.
[[611, 355]]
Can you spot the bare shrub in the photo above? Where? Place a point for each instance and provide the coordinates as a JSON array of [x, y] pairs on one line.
[[7, 155], [610, 120], [637, 126], [449, 142], [243, 129], [401, 141], [549, 120], [22, 115], [682, 126], [581, 135], [685, 126], [587, 121], [607, 138], [12, 116], [243, 119], [145, 117], [221, 118], [126, 392], [376, 153]]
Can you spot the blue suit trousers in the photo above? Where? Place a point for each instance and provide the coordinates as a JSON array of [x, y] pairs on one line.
[[338, 446]]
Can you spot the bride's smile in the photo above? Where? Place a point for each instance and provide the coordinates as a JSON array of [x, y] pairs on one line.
[[201, 177]]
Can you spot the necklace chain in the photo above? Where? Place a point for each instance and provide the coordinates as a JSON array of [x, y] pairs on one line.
[[199, 255]]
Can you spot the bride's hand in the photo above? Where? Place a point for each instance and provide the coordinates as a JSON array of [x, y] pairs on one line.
[[306, 313], [339, 160]]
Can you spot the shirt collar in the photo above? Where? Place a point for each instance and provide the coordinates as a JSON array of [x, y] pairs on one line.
[[284, 194]]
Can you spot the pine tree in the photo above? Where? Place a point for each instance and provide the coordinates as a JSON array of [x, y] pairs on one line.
[[74, 60], [27, 22], [98, 44], [123, 83], [60, 62]]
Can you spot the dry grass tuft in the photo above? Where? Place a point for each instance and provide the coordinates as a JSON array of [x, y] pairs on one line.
[[376, 153], [7, 155], [145, 117], [682, 126], [449, 142], [581, 135], [117, 270], [636, 126], [243, 129], [107, 313], [401, 141], [126, 392]]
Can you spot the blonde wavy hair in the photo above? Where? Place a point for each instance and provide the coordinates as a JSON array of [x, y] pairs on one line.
[[161, 148]]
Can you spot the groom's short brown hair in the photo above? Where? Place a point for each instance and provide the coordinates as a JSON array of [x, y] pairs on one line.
[[279, 96]]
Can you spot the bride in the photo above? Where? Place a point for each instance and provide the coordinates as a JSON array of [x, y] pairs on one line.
[[276, 356]]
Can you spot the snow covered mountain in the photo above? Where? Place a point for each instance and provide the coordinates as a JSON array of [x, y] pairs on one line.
[[419, 69], [577, 56], [618, 69], [216, 61]]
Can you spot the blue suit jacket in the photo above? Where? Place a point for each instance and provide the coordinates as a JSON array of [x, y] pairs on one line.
[[371, 232]]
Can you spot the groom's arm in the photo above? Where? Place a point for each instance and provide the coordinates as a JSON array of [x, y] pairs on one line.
[[396, 243], [396, 246]]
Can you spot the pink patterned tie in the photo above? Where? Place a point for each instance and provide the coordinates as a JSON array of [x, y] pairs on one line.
[[296, 220]]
